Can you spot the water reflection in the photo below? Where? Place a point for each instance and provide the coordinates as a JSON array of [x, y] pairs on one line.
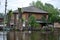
[[31, 35], [1, 35]]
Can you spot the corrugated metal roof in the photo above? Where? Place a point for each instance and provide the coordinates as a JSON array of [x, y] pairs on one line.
[[31, 9]]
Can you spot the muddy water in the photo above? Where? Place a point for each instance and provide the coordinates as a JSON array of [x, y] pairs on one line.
[[34, 35], [1, 35]]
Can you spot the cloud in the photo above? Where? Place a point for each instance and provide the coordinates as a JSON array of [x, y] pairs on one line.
[[14, 4]]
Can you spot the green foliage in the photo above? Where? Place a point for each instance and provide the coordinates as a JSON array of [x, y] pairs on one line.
[[53, 13], [19, 9], [9, 16], [49, 5], [10, 13], [32, 21], [37, 4], [43, 19], [23, 19]]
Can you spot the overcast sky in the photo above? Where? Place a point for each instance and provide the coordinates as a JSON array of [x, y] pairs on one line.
[[14, 4]]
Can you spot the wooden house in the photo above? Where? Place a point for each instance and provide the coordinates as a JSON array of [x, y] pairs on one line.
[[27, 12]]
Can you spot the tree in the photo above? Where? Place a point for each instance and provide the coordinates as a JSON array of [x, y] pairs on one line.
[[32, 22], [53, 13], [9, 17], [8, 22], [37, 4]]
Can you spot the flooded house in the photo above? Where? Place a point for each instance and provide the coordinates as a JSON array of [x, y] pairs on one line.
[[1, 21], [26, 13]]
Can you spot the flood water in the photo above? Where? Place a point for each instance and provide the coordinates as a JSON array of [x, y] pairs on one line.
[[3, 36], [35, 35]]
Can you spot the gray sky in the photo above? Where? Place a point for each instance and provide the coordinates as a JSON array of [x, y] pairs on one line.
[[14, 4]]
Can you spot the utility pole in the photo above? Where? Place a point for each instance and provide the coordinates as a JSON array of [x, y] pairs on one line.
[[0, 2], [5, 6], [5, 19]]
